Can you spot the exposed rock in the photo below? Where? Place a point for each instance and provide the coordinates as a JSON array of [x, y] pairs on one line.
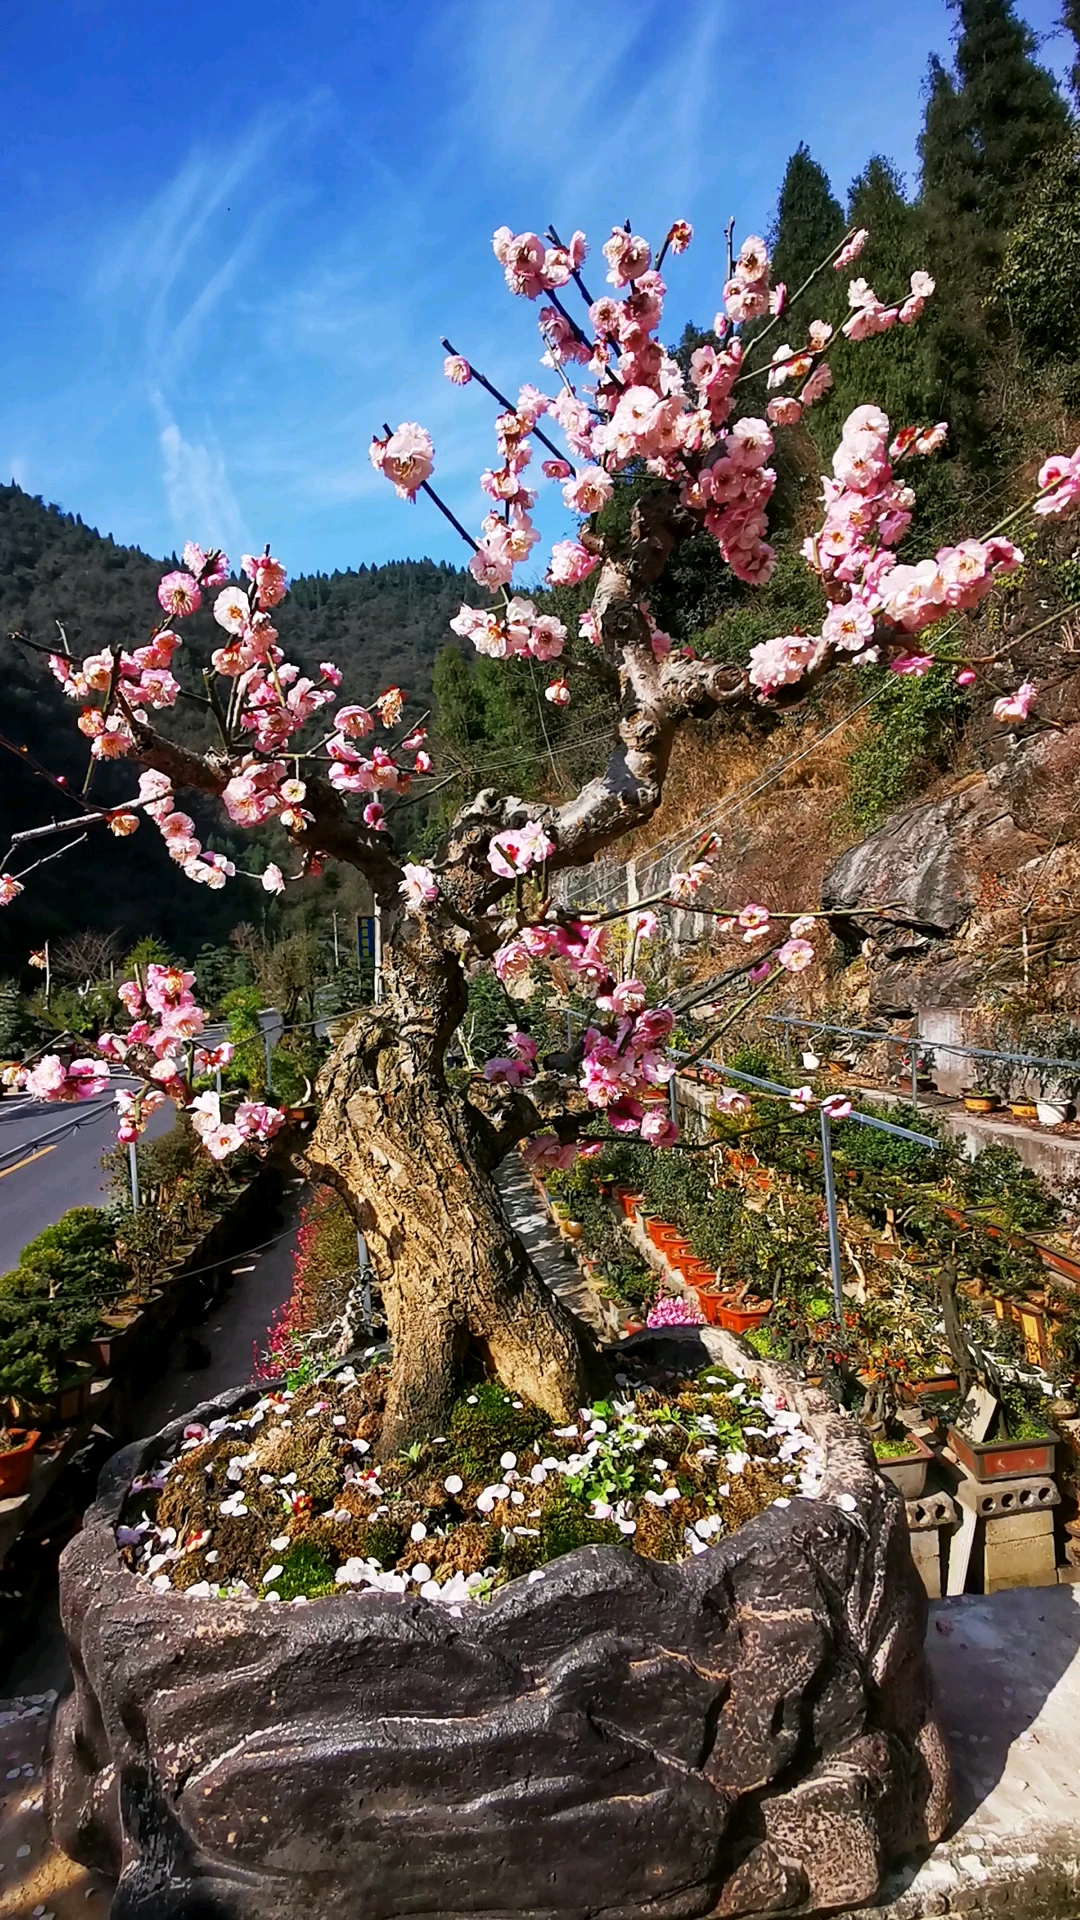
[[932, 862], [749, 1732]]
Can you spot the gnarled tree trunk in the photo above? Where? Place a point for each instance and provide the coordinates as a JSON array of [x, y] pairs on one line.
[[414, 1160]]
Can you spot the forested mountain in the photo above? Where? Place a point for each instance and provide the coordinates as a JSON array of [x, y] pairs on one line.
[[381, 625]]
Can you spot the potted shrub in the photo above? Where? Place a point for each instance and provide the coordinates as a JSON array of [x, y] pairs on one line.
[[981, 1098], [1020, 1441], [17, 1446], [288, 1710], [416, 1157], [905, 1460]]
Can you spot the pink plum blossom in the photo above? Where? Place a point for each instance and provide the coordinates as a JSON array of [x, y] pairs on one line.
[[569, 563], [178, 595], [546, 1150], [419, 887], [658, 1129], [1016, 706], [851, 249], [796, 955], [406, 458]]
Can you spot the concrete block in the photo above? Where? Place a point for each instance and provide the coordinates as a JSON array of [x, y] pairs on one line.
[[1019, 1526], [931, 1510], [1020, 1563], [1025, 1493], [926, 1553]]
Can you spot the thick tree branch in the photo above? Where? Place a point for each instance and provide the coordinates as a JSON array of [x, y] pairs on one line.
[[332, 831]]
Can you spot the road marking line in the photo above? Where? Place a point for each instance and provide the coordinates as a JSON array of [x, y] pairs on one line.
[[25, 1163]]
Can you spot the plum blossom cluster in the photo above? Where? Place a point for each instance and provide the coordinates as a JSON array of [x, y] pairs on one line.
[[621, 1073], [875, 601], [159, 1049], [636, 406], [513, 628], [177, 829], [267, 701]]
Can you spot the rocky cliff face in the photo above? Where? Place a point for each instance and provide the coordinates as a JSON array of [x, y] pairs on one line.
[[975, 882]]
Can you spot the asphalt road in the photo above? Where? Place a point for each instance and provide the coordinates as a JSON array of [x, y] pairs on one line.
[[47, 1164]]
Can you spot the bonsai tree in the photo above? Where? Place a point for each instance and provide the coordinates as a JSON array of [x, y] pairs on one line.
[[413, 1155]]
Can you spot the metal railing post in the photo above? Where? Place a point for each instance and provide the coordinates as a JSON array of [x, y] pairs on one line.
[[364, 1264], [133, 1175], [914, 1073], [830, 1209]]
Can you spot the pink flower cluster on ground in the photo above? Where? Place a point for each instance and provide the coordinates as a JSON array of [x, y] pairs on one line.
[[672, 1311]]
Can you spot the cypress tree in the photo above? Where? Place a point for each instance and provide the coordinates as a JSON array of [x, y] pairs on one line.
[[1070, 20], [809, 220], [983, 131], [1011, 104]]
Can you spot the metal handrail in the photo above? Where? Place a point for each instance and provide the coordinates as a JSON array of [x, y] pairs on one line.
[[860, 1119], [923, 1045]]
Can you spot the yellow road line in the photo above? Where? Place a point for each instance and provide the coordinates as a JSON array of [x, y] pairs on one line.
[[27, 1161]]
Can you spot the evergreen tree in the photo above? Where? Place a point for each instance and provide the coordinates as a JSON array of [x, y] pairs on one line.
[[1038, 289], [809, 220], [1010, 103], [1070, 20], [983, 130]]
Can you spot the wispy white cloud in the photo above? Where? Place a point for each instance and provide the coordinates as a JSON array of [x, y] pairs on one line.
[[202, 505], [169, 269]]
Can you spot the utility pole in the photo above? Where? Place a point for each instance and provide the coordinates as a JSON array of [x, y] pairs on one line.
[[377, 943]]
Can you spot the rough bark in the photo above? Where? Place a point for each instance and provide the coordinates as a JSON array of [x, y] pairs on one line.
[[414, 1161]]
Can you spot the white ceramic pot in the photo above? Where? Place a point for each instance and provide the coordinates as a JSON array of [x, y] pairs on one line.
[[1049, 1116], [811, 1060]]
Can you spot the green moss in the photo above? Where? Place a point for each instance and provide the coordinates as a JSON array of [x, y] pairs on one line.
[[565, 1525], [485, 1424], [385, 1541], [886, 1449], [304, 1572]]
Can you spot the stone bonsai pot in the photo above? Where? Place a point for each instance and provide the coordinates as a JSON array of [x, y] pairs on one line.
[[750, 1731]]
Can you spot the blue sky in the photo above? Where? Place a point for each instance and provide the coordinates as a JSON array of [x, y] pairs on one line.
[[232, 234]]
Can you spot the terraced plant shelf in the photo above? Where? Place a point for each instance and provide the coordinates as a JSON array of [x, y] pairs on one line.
[[507, 1673], [1001, 1459]]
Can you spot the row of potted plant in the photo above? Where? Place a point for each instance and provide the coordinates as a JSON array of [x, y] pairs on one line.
[[86, 1298]]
